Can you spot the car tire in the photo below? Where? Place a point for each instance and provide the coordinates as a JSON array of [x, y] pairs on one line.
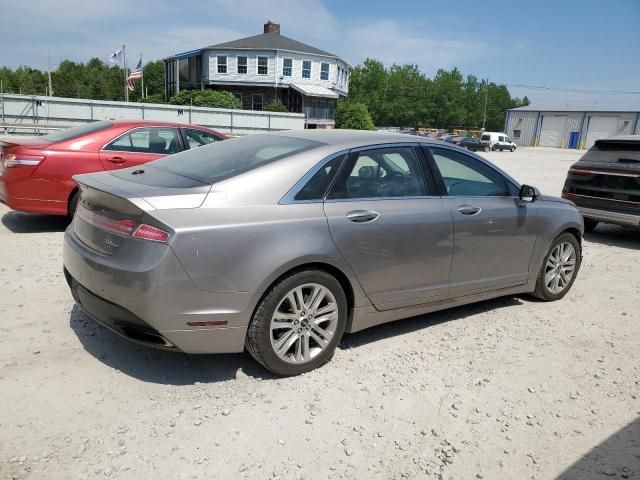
[[548, 272], [590, 224], [263, 336], [486, 149], [73, 204], [513, 149]]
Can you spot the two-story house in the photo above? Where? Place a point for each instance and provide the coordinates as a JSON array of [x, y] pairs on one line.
[[265, 67]]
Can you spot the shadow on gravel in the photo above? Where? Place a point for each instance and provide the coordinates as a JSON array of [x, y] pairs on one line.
[[401, 327], [617, 457], [19, 222], [159, 366], [615, 236], [175, 368]]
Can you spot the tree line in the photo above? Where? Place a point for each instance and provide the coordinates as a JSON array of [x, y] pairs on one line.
[[399, 95]]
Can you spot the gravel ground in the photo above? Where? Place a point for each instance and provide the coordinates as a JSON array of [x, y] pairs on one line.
[[508, 388]]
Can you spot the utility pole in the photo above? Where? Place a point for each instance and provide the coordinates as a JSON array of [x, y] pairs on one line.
[[486, 100], [124, 69], [142, 79], [49, 74]]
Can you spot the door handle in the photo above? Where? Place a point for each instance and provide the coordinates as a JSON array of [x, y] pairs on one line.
[[469, 210], [116, 160], [362, 216]]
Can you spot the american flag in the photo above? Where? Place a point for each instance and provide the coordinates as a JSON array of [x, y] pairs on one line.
[[135, 74]]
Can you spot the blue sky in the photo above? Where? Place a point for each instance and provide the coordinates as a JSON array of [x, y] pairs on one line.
[[580, 44]]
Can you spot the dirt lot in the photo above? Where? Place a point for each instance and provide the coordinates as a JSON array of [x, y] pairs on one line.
[[506, 389]]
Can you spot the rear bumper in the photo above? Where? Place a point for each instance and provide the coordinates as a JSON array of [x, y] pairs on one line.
[[610, 217], [154, 303], [16, 197]]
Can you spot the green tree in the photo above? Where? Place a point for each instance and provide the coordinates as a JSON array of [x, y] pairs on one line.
[[275, 106], [353, 115]]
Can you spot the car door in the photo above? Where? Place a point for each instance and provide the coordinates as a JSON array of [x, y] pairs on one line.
[[391, 226], [140, 145], [495, 233]]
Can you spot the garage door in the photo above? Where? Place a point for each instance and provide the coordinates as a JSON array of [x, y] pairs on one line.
[[600, 127], [553, 130]]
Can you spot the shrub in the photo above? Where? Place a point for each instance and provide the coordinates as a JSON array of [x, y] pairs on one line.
[[155, 98], [206, 98], [275, 106], [354, 115]]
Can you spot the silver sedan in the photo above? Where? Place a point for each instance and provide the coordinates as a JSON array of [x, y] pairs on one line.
[[280, 243]]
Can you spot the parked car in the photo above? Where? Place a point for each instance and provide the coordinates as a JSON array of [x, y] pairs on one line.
[[474, 144], [498, 141], [35, 172], [281, 242], [457, 139], [605, 182]]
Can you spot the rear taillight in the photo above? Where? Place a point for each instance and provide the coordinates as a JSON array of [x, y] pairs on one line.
[[125, 228], [21, 160], [147, 232]]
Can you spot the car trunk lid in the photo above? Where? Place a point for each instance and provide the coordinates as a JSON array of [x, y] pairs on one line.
[[114, 207], [609, 172]]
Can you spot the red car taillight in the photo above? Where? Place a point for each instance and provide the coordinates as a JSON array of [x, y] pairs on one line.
[[21, 160], [125, 228]]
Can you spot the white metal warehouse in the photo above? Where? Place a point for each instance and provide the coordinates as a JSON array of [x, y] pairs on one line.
[[571, 125]]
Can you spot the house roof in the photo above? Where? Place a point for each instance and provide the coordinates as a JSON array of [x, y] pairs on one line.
[[628, 106], [272, 41]]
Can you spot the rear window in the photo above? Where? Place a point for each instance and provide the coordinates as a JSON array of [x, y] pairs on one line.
[[617, 146], [215, 162], [74, 132], [485, 137]]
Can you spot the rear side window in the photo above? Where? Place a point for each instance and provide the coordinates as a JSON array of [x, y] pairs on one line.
[[198, 138], [74, 132], [218, 161], [485, 137], [317, 186], [390, 172], [157, 140]]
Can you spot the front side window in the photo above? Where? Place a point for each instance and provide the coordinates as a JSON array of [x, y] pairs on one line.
[[287, 67], [465, 176], [242, 65], [317, 186], [222, 64], [221, 160], [324, 71], [256, 101], [263, 65], [198, 138], [389, 172], [158, 140], [306, 69]]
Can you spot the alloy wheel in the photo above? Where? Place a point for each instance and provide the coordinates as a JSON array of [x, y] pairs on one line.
[[303, 323], [560, 267]]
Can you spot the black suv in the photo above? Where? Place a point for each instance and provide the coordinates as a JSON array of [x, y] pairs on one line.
[[605, 183]]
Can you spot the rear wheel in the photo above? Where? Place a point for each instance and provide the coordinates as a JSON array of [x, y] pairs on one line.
[[590, 224], [513, 148], [299, 323], [559, 268], [486, 149]]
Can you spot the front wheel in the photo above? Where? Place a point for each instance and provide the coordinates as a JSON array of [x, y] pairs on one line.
[[486, 149], [513, 148], [299, 323], [559, 268]]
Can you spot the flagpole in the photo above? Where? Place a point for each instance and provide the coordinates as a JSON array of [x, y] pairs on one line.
[[124, 69], [142, 78]]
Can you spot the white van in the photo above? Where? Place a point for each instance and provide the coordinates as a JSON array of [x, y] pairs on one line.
[[498, 141]]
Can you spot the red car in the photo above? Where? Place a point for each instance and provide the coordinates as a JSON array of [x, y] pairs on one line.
[[35, 172]]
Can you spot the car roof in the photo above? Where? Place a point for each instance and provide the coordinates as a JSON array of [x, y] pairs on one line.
[[124, 123], [354, 138]]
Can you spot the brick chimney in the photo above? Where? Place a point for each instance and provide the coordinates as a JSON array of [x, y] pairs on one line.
[[271, 27]]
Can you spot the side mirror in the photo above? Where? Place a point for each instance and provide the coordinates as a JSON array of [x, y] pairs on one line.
[[529, 194]]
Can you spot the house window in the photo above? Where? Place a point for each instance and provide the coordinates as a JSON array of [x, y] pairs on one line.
[[222, 64], [287, 66], [263, 68], [238, 95], [306, 69], [256, 101], [516, 134], [242, 65], [324, 71]]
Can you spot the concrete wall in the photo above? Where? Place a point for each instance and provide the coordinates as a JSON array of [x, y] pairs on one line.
[[67, 112]]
